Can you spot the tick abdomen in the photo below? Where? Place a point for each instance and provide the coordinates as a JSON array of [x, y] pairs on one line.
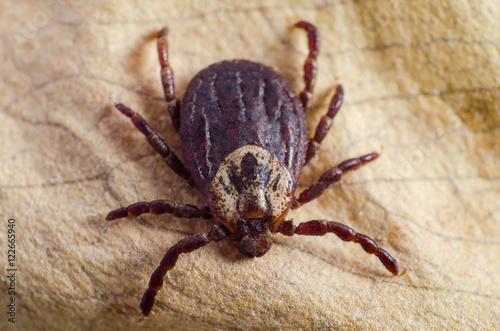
[[231, 104]]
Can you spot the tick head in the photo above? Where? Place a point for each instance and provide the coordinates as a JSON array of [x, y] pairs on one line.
[[254, 240]]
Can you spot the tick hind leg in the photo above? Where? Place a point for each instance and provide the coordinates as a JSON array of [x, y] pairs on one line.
[[158, 207], [320, 228], [310, 64], [157, 142], [187, 245], [167, 79], [331, 176]]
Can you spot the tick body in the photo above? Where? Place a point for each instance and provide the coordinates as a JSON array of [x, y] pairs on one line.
[[244, 142]]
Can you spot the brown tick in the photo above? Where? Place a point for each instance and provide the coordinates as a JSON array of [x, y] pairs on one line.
[[244, 141]]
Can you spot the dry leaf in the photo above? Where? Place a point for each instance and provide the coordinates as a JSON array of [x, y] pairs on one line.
[[421, 88]]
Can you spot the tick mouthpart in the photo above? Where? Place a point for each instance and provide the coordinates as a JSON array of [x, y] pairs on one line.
[[254, 241], [254, 246]]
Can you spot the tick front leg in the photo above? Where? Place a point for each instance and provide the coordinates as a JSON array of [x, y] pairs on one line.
[[331, 176], [320, 228], [157, 142], [167, 79], [187, 245], [325, 124], [157, 207], [310, 64]]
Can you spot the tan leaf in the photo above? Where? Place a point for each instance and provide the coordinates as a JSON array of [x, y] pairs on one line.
[[422, 89]]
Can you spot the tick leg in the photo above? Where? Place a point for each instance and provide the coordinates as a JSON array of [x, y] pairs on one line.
[[187, 245], [331, 176], [167, 79], [157, 207], [325, 123], [157, 142], [310, 64], [320, 228]]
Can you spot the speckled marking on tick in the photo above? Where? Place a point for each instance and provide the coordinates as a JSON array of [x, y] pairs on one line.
[[250, 184]]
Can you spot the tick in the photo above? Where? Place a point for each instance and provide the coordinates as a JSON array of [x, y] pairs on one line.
[[244, 140]]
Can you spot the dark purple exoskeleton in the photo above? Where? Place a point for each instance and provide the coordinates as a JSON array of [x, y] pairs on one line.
[[244, 141]]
